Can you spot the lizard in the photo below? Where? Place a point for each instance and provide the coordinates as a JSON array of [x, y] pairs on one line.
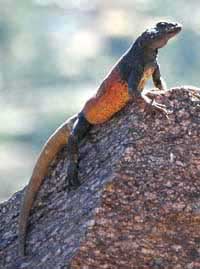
[[125, 81]]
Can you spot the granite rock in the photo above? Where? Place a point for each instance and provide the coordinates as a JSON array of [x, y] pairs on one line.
[[139, 202]]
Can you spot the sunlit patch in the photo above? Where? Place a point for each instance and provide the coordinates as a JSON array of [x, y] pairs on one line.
[[114, 22], [83, 44]]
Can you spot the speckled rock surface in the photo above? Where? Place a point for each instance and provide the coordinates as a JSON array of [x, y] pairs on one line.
[[138, 206]]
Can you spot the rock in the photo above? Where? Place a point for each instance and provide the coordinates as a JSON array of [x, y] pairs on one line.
[[139, 202]]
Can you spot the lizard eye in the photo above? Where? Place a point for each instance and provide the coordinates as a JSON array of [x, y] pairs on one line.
[[161, 24]]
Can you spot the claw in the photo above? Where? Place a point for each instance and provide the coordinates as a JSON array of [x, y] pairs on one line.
[[158, 105], [153, 106], [196, 95]]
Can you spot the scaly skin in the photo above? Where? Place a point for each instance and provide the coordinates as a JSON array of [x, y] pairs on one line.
[[125, 81]]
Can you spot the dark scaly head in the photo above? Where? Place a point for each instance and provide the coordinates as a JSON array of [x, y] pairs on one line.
[[158, 36]]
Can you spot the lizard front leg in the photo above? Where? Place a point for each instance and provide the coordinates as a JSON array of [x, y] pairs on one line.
[[79, 130], [133, 83], [158, 80], [161, 85]]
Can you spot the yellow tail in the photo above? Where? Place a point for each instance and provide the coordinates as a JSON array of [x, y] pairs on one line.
[[54, 144]]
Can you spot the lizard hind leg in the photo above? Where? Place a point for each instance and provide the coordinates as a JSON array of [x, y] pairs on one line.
[[79, 130]]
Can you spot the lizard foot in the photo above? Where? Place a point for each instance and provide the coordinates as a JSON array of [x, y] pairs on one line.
[[153, 106], [155, 91], [72, 175]]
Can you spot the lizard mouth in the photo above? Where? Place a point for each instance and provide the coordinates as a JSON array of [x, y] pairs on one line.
[[175, 29]]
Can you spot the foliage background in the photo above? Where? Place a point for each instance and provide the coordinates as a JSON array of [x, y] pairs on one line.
[[54, 54]]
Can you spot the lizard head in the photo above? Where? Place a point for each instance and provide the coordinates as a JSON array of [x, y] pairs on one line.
[[158, 36]]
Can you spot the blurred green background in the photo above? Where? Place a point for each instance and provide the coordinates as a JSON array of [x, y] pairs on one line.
[[54, 54]]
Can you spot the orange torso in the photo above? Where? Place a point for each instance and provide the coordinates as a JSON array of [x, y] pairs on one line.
[[111, 97]]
